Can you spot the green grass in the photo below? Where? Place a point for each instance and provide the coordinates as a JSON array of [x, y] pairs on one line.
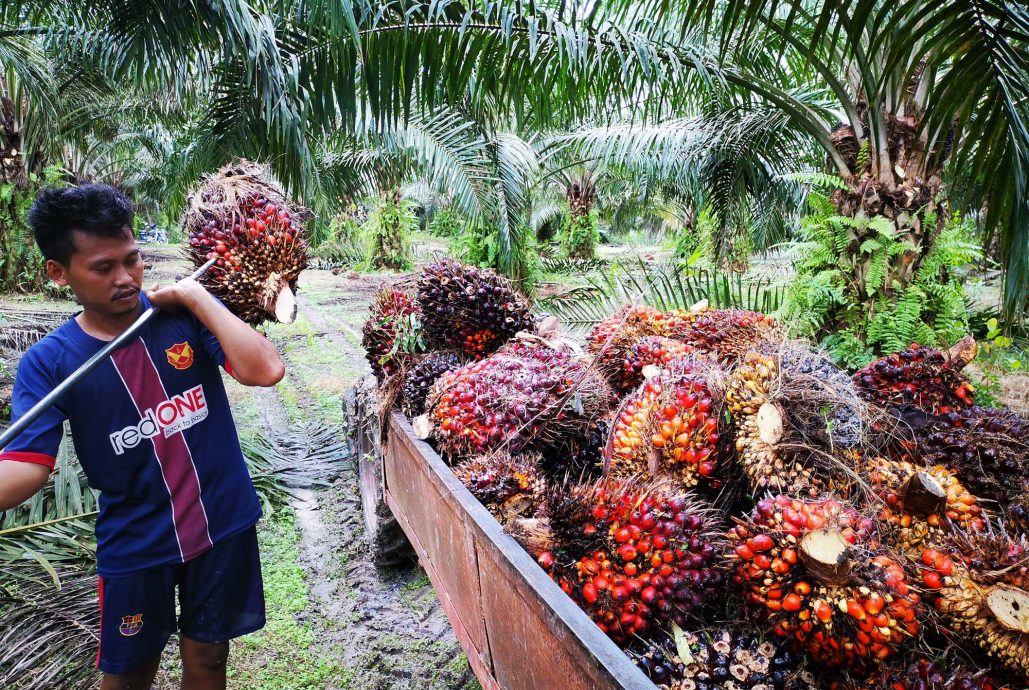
[[283, 655]]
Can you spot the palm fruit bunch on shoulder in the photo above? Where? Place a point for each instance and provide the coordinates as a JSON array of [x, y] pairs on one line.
[[979, 585], [989, 451], [510, 487], [724, 659], [807, 573], [521, 397], [925, 377], [798, 420], [635, 557], [920, 505], [419, 378], [727, 334], [240, 218], [924, 674], [468, 309], [669, 427], [390, 334], [612, 342]]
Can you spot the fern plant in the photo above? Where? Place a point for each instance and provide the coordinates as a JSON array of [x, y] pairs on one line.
[[864, 289]]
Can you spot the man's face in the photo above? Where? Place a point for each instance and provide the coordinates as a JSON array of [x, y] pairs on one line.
[[105, 273]]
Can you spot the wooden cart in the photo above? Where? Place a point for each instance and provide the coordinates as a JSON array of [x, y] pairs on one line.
[[520, 631]]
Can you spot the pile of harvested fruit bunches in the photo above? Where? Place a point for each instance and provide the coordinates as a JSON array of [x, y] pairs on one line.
[[726, 504], [242, 220]]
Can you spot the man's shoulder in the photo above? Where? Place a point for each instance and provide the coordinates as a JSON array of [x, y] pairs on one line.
[[52, 344]]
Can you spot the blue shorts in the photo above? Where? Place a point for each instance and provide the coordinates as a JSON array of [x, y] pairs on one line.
[[221, 597]]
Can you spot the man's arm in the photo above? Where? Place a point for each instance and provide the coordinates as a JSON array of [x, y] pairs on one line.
[[19, 481], [255, 361]]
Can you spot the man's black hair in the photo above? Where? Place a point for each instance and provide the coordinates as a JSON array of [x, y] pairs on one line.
[[95, 209]]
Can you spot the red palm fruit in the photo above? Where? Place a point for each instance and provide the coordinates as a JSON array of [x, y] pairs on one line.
[[521, 397], [927, 378], [798, 420], [920, 506], [651, 352], [390, 332], [923, 674], [979, 584], [728, 334], [469, 309], [510, 487], [259, 260], [635, 557], [611, 341], [669, 427], [806, 572]]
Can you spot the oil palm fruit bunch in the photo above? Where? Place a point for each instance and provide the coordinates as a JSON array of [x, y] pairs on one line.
[[509, 486], [582, 456], [523, 396], [806, 573], [920, 505], [927, 378], [612, 340], [242, 219], [391, 333], [649, 354], [728, 334], [639, 557], [470, 310], [980, 587], [669, 427], [989, 451], [798, 420], [924, 674], [419, 379], [723, 659]]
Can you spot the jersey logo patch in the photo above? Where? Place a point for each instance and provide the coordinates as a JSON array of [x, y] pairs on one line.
[[131, 625], [180, 356]]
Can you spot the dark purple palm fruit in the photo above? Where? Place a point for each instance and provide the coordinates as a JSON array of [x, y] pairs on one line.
[[419, 379]]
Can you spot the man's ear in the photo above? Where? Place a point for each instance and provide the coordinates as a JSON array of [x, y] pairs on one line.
[[57, 272]]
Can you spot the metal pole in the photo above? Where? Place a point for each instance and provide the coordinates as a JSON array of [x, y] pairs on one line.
[[92, 363]]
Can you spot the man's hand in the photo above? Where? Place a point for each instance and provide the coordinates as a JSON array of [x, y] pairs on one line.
[[182, 295], [19, 481]]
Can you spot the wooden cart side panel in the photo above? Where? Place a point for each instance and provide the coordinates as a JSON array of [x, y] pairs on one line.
[[537, 637]]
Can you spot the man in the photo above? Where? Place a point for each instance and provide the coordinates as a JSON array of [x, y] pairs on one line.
[[154, 433]]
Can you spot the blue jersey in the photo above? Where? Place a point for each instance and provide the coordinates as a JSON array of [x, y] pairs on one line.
[[154, 434]]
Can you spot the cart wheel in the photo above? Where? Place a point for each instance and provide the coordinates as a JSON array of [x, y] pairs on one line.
[[387, 541]]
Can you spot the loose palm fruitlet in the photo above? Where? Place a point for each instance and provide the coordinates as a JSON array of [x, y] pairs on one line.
[[389, 333], [927, 378], [989, 451], [523, 396], [651, 559], [920, 505], [798, 419], [980, 586], [728, 334], [509, 486], [669, 427], [806, 572], [468, 309], [724, 660], [242, 219], [923, 674], [419, 379]]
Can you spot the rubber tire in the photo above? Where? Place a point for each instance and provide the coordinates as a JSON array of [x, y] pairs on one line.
[[386, 540]]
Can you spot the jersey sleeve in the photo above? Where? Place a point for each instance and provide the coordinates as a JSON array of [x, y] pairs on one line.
[[211, 345], [40, 441]]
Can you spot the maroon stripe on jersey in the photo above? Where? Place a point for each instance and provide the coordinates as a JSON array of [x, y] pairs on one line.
[[142, 380]]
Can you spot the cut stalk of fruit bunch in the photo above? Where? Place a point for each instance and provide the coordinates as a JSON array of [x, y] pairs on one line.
[[807, 572], [980, 586], [390, 332], [723, 658], [669, 427], [242, 219], [470, 310], [798, 421], [635, 557], [927, 378], [524, 396], [920, 505]]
